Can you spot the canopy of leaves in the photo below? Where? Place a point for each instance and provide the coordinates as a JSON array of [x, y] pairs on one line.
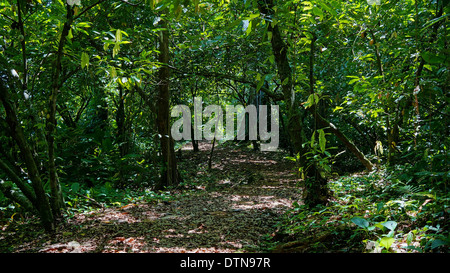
[[79, 85]]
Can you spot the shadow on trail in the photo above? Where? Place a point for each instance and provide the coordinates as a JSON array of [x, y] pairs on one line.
[[229, 208]]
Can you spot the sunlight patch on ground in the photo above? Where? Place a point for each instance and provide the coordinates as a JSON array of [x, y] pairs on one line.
[[70, 247], [187, 250], [243, 202]]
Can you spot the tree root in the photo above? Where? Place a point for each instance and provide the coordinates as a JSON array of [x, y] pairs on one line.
[[303, 245]]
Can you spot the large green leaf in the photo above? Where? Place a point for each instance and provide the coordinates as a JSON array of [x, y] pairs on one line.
[[391, 225], [386, 242], [118, 36], [84, 60], [75, 187], [322, 140], [361, 222], [260, 83], [437, 243], [318, 12], [435, 59], [327, 8]]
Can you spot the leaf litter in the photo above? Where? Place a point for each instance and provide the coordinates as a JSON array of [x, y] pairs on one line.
[[232, 208]]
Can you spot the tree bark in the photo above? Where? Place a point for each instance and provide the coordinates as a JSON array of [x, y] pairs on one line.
[[279, 49], [16, 196], [122, 134], [24, 188], [56, 199], [42, 202], [169, 175], [347, 142], [316, 192]]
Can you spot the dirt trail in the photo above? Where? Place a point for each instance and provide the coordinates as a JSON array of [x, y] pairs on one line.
[[246, 194]]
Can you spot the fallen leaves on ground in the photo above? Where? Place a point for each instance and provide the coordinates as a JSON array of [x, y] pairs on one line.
[[249, 191]]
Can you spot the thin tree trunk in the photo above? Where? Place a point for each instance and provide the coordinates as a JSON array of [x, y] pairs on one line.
[[347, 142], [211, 153], [42, 202], [316, 192], [122, 137], [24, 188], [16, 196], [194, 141], [56, 199], [279, 49], [169, 176]]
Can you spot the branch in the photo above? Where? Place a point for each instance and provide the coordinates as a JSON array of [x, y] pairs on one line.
[[147, 100], [82, 108], [338, 133], [91, 200], [88, 8], [15, 196], [220, 76], [24, 52], [29, 194], [131, 4]]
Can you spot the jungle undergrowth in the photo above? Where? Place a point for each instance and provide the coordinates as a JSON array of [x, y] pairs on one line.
[[374, 212]]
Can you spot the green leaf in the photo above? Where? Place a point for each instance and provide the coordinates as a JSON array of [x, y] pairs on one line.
[[112, 72], [116, 49], [386, 242], [260, 83], [196, 2], [249, 28], [327, 8], [75, 187], [435, 59], [338, 108], [316, 98], [318, 12], [434, 21], [310, 101], [361, 222], [84, 60], [391, 225], [353, 81], [69, 35], [380, 206], [118, 36], [437, 243], [410, 238]]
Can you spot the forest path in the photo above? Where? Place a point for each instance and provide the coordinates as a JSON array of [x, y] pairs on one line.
[[231, 208]]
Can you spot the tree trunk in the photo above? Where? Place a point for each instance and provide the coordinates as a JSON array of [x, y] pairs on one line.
[[56, 199], [211, 154], [24, 187], [279, 49], [169, 175], [16, 196], [42, 203], [316, 189], [347, 142], [316, 186], [194, 142], [122, 135]]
